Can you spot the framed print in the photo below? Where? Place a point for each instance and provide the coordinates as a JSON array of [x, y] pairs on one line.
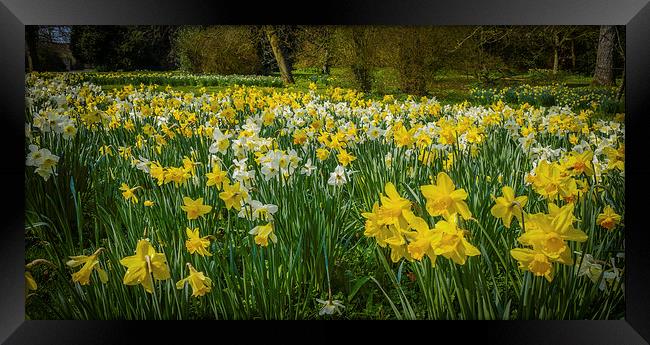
[[462, 163]]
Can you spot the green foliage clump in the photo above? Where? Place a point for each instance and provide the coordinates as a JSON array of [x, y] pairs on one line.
[[217, 49]]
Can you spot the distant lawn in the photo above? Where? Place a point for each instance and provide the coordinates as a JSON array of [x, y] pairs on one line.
[[447, 87]]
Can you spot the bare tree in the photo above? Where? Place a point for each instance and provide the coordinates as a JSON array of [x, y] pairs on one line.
[[285, 70], [604, 73]]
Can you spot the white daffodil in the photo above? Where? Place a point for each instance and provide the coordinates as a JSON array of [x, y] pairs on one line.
[[338, 177], [308, 168], [330, 306]]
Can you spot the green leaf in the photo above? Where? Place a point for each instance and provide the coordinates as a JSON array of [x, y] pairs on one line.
[[359, 283]]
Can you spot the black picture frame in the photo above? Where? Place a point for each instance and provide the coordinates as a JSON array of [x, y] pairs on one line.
[[634, 14]]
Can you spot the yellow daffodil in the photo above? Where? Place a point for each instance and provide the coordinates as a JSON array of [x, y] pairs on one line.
[[444, 199], [616, 157], [533, 261], [157, 172], [198, 281], [128, 193], [392, 208], [402, 137], [397, 252], [548, 233], [178, 175], [345, 158], [508, 206], [217, 177], [452, 243], [425, 241], [374, 228], [195, 208], [608, 219], [322, 154], [232, 195], [143, 265], [299, 137], [263, 233], [30, 283], [579, 163], [196, 244], [189, 165], [89, 263]]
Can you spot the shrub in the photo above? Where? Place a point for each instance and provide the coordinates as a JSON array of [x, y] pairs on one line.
[[217, 49]]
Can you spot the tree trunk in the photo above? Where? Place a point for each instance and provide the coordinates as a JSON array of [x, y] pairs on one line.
[[573, 55], [604, 73], [360, 66], [30, 65], [556, 52], [285, 71], [326, 64]]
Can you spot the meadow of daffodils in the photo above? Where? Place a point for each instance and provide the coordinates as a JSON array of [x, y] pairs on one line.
[[145, 202]]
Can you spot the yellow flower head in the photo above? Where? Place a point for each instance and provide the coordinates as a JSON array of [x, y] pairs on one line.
[[547, 233], [189, 165], [263, 233], [217, 177], [375, 228], [402, 137], [443, 199], [198, 281], [579, 163], [195, 208], [392, 208], [89, 263], [608, 219], [425, 241], [178, 175], [345, 158], [30, 283], [128, 193], [143, 265], [452, 243], [616, 157], [533, 261], [232, 195], [196, 244], [547, 180], [508, 206], [158, 172], [299, 137], [322, 154]]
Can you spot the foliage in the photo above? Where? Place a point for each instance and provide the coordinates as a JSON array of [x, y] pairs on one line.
[[217, 49], [123, 47]]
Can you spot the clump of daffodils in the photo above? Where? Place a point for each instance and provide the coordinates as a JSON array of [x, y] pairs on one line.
[[546, 237], [57, 121], [394, 224], [44, 161]]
